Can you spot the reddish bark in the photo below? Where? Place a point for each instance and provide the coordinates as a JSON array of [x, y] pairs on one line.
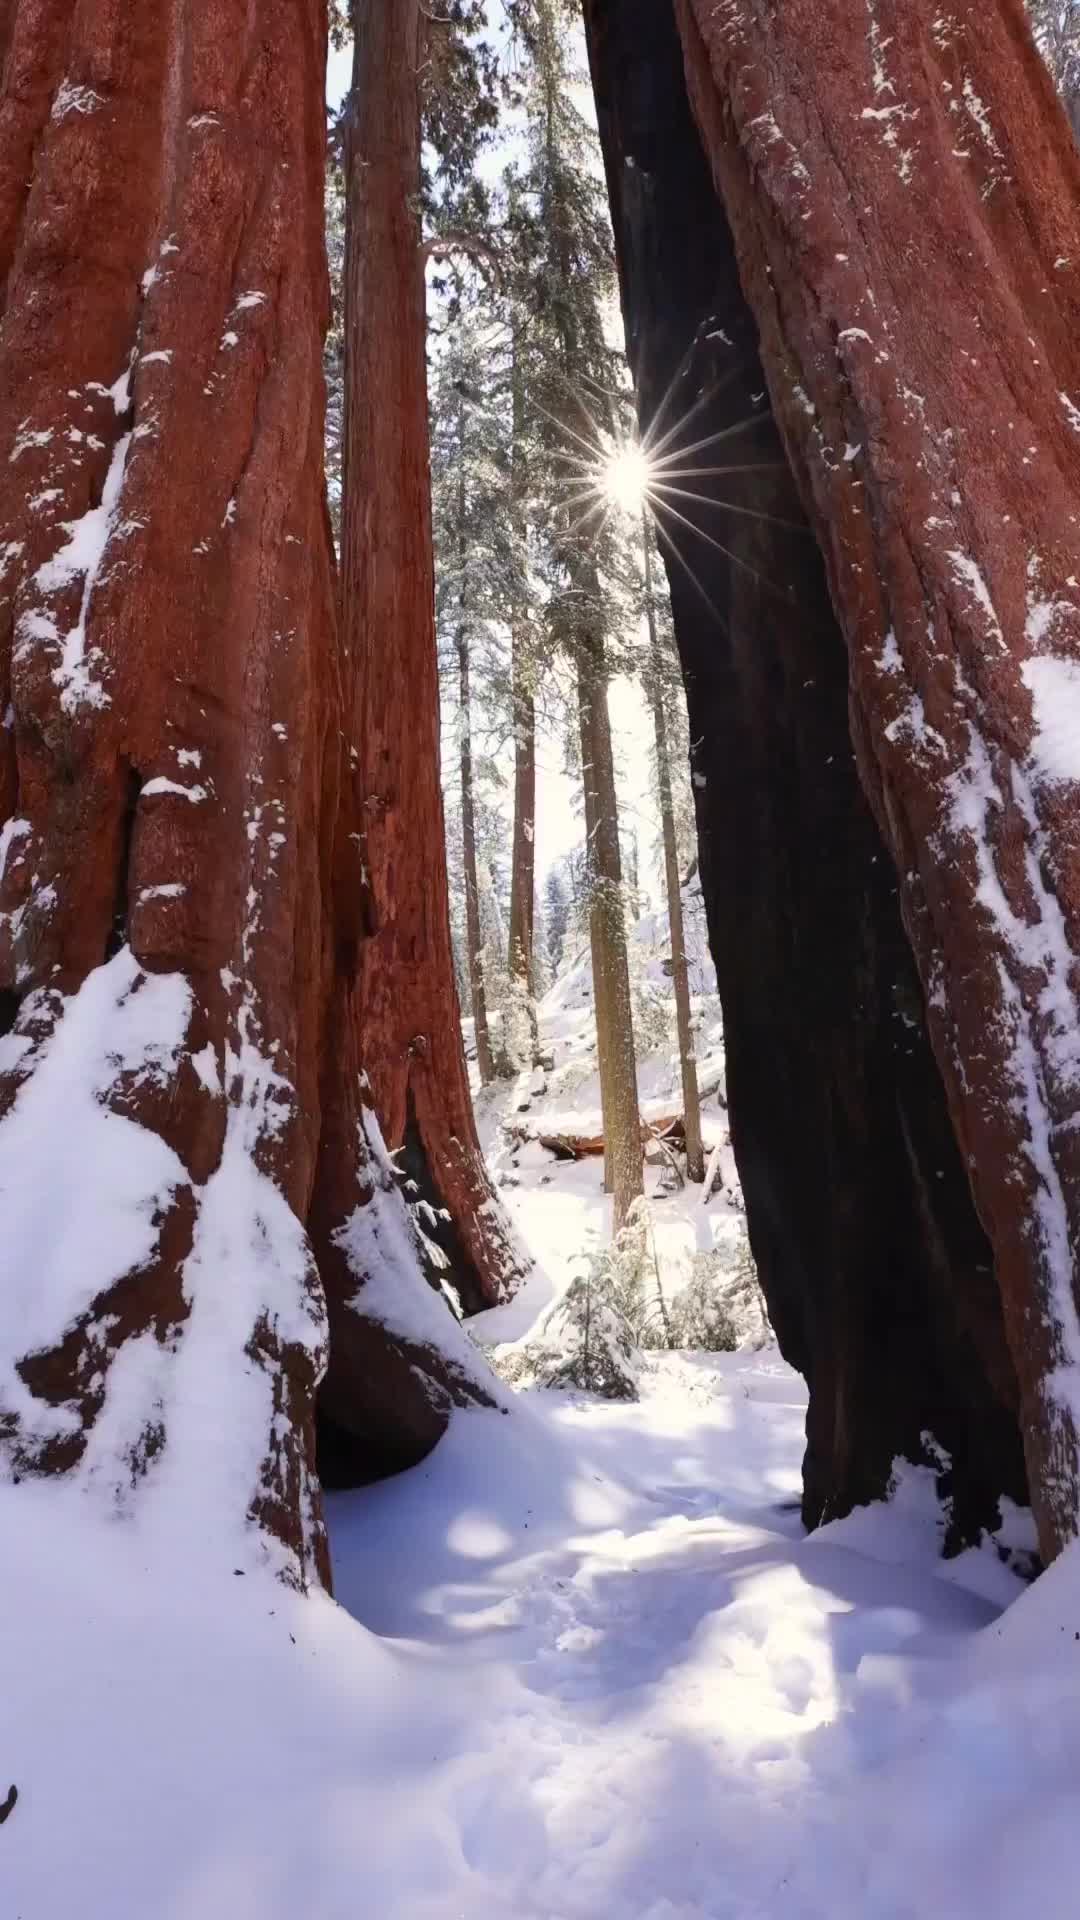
[[406, 996], [180, 871], [905, 201], [877, 1273]]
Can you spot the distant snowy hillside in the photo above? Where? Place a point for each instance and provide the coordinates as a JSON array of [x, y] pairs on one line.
[[558, 1205]]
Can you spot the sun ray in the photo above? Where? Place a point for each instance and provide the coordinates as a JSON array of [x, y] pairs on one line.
[[593, 499], [580, 525], [751, 513], [708, 440], [668, 541], [710, 393], [666, 396], [598, 535], [655, 445], [579, 401], [626, 476], [736, 560], [665, 474], [575, 459], [561, 426]]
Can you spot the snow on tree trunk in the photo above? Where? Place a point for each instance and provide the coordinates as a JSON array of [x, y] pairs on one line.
[[179, 869], [406, 999], [863, 156], [877, 1273]]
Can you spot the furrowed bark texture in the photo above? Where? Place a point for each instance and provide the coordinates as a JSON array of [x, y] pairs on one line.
[[406, 995], [178, 863], [877, 1273], [936, 445]]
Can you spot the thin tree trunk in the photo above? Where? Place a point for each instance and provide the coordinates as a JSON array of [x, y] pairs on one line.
[[473, 938], [695, 1157], [941, 469], [607, 930], [596, 948], [607, 935], [406, 999], [523, 856]]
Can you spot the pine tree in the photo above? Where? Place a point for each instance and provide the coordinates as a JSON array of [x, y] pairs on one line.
[[474, 565], [562, 236], [524, 675], [557, 899], [1057, 35]]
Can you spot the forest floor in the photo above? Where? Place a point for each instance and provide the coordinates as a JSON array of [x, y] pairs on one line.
[[633, 1687], [584, 1663], [559, 1207], [585, 1666]]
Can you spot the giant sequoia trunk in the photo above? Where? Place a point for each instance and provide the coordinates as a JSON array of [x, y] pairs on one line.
[[877, 1272], [406, 995], [940, 466], [179, 854]]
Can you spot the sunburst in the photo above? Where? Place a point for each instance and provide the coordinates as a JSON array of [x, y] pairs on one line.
[[626, 477], [607, 474]]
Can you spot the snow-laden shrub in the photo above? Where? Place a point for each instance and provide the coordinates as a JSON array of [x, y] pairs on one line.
[[568, 1078], [590, 1338], [624, 1303], [654, 1015], [721, 1306], [700, 1315], [517, 1025], [587, 1342]]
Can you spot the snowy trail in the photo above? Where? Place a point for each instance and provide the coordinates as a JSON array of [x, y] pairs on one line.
[[600, 1675], [673, 1705], [585, 1666]]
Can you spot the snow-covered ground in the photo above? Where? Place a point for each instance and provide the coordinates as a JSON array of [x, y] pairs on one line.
[[584, 1663], [559, 1207], [594, 1671]]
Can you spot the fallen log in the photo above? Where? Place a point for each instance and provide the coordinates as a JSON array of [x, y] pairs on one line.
[[670, 1129]]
